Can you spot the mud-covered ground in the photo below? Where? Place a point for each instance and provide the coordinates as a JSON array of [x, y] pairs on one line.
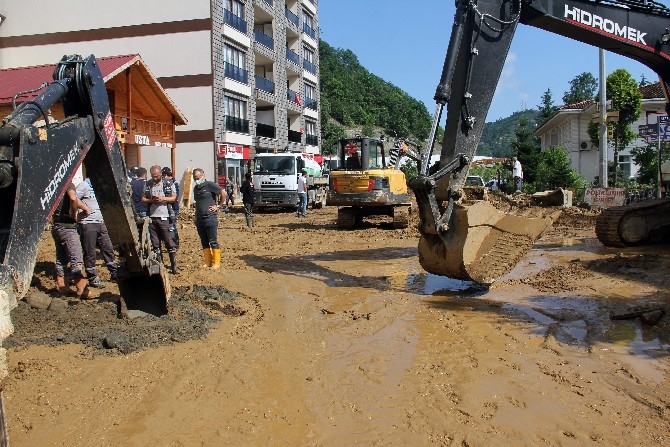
[[318, 337]]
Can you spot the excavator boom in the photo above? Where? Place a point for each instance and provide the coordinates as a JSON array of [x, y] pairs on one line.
[[478, 242]]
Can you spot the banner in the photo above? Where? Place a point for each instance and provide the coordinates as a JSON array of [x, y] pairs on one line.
[[605, 197]]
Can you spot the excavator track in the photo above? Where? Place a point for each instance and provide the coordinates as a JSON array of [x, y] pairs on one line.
[[622, 226]]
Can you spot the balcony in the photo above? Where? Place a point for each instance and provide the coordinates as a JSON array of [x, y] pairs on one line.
[[235, 21], [311, 140], [294, 137], [292, 17], [265, 130], [265, 84], [312, 104], [236, 73], [292, 56], [293, 96], [307, 65], [144, 127], [264, 39], [234, 124], [308, 30]]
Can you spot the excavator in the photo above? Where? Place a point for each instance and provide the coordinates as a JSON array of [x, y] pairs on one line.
[[477, 242], [38, 161]]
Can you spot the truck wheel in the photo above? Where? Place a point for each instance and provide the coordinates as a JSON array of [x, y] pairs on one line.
[[346, 218]]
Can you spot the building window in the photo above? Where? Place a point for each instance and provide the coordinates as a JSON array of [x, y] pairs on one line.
[[308, 24], [234, 64], [236, 7], [310, 96], [236, 107], [553, 140], [625, 165], [308, 54]]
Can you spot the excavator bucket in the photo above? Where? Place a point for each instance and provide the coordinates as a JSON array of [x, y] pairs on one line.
[[145, 294], [482, 243]]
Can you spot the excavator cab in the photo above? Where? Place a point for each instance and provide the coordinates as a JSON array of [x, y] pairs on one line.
[[363, 185]]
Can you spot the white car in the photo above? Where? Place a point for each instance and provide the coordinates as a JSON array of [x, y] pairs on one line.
[[474, 180]]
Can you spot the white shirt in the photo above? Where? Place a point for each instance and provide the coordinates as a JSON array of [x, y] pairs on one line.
[[517, 171], [302, 184]]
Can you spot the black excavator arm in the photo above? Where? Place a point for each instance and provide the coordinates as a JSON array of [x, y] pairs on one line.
[[480, 39], [37, 164]]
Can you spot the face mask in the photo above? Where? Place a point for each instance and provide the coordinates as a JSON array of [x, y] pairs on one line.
[[199, 182]]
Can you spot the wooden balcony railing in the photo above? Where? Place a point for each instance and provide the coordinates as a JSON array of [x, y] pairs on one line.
[[161, 130]]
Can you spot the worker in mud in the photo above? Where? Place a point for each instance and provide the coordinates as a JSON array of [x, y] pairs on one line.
[[167, 175], [517, 174], [157, 195], [302, 195], [209, 199], [93, 233], [247, 190], [69, 253], [137, 188]]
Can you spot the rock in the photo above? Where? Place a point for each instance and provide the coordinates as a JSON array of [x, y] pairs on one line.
[[653, 317], [115, 341], [58, 305], [38, 300]]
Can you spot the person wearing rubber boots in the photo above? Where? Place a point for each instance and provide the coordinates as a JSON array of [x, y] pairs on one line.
[[247, 190], [158, 194], [209, 199]]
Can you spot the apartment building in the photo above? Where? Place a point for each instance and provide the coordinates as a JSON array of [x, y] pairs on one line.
[[244, 73]]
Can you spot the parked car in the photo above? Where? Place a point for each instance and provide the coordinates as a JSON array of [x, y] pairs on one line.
[[474, 180], [494, 185]]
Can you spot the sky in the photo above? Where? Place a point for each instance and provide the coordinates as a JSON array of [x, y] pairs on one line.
[[405, 43]]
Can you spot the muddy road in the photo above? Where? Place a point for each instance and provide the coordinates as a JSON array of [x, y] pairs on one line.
[[310, 336]]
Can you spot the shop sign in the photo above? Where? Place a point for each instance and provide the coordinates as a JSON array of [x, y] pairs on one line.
[[605, 197]]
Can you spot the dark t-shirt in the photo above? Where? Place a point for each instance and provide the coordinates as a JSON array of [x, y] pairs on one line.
[[247, 190], [205, 196], [62, 214], [137, 186]]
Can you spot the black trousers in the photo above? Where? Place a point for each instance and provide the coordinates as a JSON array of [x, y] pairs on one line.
[[159, 230], [93, 236]]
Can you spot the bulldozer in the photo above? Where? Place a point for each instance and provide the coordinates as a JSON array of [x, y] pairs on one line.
[[364, 184], [473, 240]]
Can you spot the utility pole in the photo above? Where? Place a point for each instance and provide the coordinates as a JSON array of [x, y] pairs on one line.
[[602, 174]]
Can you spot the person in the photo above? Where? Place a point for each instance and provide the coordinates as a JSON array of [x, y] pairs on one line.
[[167, 175], [302, 194], [68, 245], [517, 173], [230, 191], [137, 187], [354, 161], [247, 190], [93, 233], [157, 195], [209, 199]]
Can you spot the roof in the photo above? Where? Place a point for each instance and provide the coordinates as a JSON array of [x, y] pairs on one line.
[[578, 105], [652, 91], [23, 79]]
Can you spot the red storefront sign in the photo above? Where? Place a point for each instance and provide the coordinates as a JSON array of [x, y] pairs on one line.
[[233, 151]]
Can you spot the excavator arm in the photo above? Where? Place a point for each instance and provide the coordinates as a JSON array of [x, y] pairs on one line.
[[478, 242], [38, 163]]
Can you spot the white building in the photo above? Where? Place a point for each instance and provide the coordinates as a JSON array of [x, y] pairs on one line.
[[568, 128], [244, 73]]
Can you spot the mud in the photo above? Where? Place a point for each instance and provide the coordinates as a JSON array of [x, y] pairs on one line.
[[322, 337]]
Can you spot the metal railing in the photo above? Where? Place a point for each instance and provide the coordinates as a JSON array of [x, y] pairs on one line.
[[292, 17], [312, 140], [234, 72], [265, 84], [307, 65], [312, 104], [265, 130], [234, 124], [235, 21], [308, 30], [294, 137], [292, 56], [264, 39], [293, 96]]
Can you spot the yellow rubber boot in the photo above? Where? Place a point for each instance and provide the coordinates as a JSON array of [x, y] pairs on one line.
[[207, 253], [216, 258]]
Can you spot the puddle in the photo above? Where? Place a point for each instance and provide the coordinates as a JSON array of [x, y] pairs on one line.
[[429, 284]]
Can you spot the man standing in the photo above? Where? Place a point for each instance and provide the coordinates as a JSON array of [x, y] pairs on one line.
[[137, 187], [302, 194], [247, 190], [230, 193], [94, 234], [158, 194], [517, 173], [68, 244], [209, 198], [167, 175]]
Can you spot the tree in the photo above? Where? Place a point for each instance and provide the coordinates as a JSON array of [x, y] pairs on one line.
[[547, 107], [526, 147], [646, 158], [626, 98], [554, 171], [582, 87]]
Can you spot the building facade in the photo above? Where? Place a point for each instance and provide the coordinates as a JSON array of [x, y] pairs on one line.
[[244, 73], [568, 128]]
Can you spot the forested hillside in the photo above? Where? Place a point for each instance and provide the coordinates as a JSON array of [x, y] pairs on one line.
[[352, 98]]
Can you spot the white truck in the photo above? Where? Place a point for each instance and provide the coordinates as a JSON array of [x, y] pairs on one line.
[[276, 180]]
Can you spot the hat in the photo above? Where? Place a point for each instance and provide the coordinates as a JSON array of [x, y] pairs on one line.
[[166, 171]]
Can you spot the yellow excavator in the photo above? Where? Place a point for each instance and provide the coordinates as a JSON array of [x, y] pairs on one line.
[[366, 182], [475, 241]]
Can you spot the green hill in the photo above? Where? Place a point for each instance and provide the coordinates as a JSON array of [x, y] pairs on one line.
[[353, 100]]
